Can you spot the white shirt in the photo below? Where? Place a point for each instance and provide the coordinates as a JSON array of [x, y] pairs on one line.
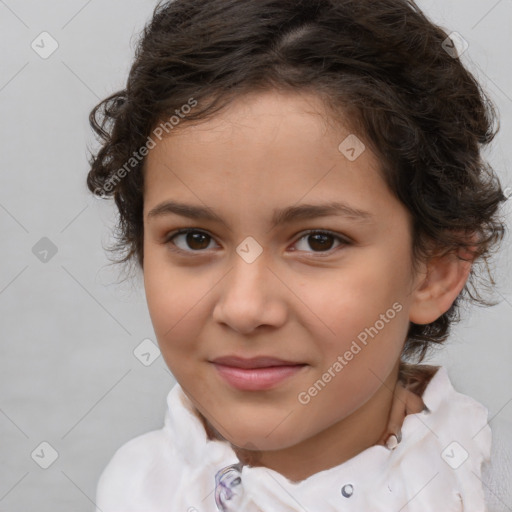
[[436, 467]]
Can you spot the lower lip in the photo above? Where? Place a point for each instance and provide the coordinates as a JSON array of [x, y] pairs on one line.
[[256, 379]]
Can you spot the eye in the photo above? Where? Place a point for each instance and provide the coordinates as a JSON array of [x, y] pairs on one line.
[[196, 241], [187, 239], [321, 241]]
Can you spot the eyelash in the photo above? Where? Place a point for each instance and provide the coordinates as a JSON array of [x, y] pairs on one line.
[[168, 241]]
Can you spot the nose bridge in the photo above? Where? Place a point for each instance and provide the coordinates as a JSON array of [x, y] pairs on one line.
[[248, 295], [249, 272]]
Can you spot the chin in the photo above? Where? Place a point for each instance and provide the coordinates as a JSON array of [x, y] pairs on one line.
[[253, 438]]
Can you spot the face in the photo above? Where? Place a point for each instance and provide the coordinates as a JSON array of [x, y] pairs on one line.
[[326, 290]]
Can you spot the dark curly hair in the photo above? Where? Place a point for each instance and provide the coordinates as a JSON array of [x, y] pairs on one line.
[[380, 63]]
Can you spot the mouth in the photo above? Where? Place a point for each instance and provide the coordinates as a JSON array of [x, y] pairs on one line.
[[255, 374]]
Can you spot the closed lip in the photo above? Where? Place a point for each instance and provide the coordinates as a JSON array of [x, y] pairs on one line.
[[254, 362]]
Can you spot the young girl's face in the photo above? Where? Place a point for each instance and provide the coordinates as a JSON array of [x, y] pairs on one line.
[[337, 303]]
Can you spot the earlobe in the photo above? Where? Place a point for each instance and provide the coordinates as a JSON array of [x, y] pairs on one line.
[[445, 278]]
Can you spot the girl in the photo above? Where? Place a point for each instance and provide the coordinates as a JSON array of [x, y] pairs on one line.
[[301, 183]]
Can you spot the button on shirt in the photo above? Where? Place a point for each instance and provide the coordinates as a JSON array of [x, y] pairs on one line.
[[436, 467]]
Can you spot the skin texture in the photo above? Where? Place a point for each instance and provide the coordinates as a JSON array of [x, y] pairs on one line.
[[296, 301]]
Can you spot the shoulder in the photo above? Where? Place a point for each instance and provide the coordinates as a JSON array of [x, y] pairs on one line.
[[144, 473], [445, 444], [484, 439], [134, 467]]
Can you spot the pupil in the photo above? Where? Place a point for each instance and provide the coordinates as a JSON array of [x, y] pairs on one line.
[[195, 238], [322, 240]]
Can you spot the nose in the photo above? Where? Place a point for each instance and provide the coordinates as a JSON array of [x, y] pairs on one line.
[[251, 295]]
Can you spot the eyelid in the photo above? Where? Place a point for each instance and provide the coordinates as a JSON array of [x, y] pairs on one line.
[[344, 240], [168, 240]]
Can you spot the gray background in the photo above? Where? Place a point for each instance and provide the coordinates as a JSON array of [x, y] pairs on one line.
[[68, 373]]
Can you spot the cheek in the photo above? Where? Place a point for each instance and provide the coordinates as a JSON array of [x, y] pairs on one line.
[[174, 304], [367, 324], [174, 309], [353, 298]]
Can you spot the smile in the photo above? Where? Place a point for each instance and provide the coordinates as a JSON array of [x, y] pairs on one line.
[[257, 379]]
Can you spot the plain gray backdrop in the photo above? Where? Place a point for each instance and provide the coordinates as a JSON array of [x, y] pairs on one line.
[[69, 377]]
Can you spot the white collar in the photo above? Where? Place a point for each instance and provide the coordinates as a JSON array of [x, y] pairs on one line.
[[420, 470]]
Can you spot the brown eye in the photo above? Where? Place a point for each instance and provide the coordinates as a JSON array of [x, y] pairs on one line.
[[320, 241], [189, 240]]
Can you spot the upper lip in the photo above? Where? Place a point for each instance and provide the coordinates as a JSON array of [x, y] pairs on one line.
[[253, 362]]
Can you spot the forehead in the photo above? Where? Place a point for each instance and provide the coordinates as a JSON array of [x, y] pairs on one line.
[[264, 117], [263, 151]]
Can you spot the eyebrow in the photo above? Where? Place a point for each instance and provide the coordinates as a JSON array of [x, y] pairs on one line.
[[280, 216]]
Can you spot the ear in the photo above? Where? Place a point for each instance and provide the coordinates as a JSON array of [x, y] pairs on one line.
[[442, 280]]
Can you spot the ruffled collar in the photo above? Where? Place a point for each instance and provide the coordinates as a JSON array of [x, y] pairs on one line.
[[439, 456]]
